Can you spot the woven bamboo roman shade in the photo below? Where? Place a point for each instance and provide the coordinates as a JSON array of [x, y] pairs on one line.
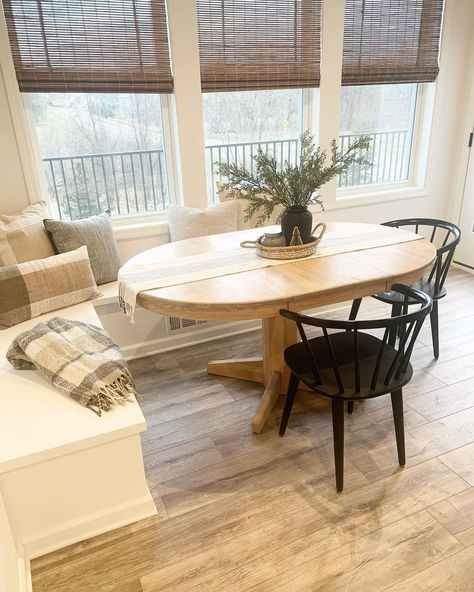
[[89, 45], [391, 41], [259, 44]]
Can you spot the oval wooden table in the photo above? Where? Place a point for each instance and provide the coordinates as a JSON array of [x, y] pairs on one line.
[[260, 294]]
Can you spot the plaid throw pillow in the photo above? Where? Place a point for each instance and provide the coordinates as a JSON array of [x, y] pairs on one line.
[[23, 237], [35, 287]]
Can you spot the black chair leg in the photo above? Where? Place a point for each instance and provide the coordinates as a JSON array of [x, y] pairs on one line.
[[290, 399], [355, 309], [350, 407], [435, 328], [396, 311], [337, 407], [397, 407]]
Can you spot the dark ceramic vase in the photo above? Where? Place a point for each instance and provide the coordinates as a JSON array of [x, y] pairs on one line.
[[300, 217]]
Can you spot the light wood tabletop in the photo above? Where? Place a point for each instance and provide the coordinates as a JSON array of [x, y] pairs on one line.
[[260, 294]]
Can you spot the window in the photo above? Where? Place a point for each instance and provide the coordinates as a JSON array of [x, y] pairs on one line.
[[385, 113], [102, 152], [89, 45], [388, 49], [252, 45], [101, 74], [262, 54], [86, 65], [238, 123]]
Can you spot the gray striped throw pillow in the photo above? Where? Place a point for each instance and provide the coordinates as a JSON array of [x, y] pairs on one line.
[[97, 235]]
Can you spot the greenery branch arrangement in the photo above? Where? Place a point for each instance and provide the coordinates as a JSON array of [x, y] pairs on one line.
[[293, 186]]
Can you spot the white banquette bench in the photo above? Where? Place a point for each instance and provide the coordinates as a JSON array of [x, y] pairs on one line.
[[65, 473]]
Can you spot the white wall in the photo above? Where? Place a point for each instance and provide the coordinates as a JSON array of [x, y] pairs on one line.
[[465, 112], [449, 140], [9, 558], [13, 191]]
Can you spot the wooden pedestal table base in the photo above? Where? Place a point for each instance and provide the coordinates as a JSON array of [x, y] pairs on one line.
[[270, 370]]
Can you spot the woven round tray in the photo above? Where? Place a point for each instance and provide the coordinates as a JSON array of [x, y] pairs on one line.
[[292, 252]]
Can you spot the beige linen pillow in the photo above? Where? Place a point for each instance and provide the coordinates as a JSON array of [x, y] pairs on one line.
[[32, 288], [23, 237], [187, 222], [224, 196], [97, 234]]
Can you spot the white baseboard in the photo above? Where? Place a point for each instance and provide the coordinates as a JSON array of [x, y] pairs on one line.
[[188, 338], [89, 526], [24, 575], [198, 334], [463, 266], [75, 531], [24, 583]]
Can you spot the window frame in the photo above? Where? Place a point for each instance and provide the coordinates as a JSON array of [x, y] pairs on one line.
[[184, 134], [141, 218], [421, 129], [305, 119]]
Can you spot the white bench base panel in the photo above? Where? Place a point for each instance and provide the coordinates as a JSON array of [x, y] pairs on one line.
[[65, 474]]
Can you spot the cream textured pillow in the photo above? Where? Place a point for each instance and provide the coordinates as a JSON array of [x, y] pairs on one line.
[[23, 237], [35, 287], [224, 196], [97, 234], [186, 222]]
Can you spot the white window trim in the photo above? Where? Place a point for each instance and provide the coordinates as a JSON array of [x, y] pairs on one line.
[[24, 132], [186, 103], [141, 229], [307, 119], [183, 127], [128, 220], [169, 150], [330, 86], [379, 193], [136, 220], [415, 185], [34, 146]]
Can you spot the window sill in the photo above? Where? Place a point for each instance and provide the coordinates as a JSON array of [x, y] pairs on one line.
[[153, 225], [138, 219], [141, 229], [359, 197]]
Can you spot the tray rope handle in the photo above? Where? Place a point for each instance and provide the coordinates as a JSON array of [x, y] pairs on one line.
[[321, 225], [248, 244]]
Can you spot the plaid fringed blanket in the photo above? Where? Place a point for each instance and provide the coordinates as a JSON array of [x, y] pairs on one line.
[[80, 360]]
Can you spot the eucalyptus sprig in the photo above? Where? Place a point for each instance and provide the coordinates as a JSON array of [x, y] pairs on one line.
[[292, 186]]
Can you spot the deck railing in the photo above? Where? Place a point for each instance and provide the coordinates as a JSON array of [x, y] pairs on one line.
[[136, 183], [122, 182], [389, 152]]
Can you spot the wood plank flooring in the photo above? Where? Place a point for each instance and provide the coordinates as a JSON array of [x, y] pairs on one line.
[[242, 512]]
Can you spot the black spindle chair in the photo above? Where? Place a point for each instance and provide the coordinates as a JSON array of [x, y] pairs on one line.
[[350, 365], [445, 236]]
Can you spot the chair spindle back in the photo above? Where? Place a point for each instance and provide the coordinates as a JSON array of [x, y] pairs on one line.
[[444, 252], [408, 326]]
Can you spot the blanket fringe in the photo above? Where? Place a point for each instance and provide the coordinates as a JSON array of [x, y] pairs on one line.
[[127, 308], [119, 392]]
